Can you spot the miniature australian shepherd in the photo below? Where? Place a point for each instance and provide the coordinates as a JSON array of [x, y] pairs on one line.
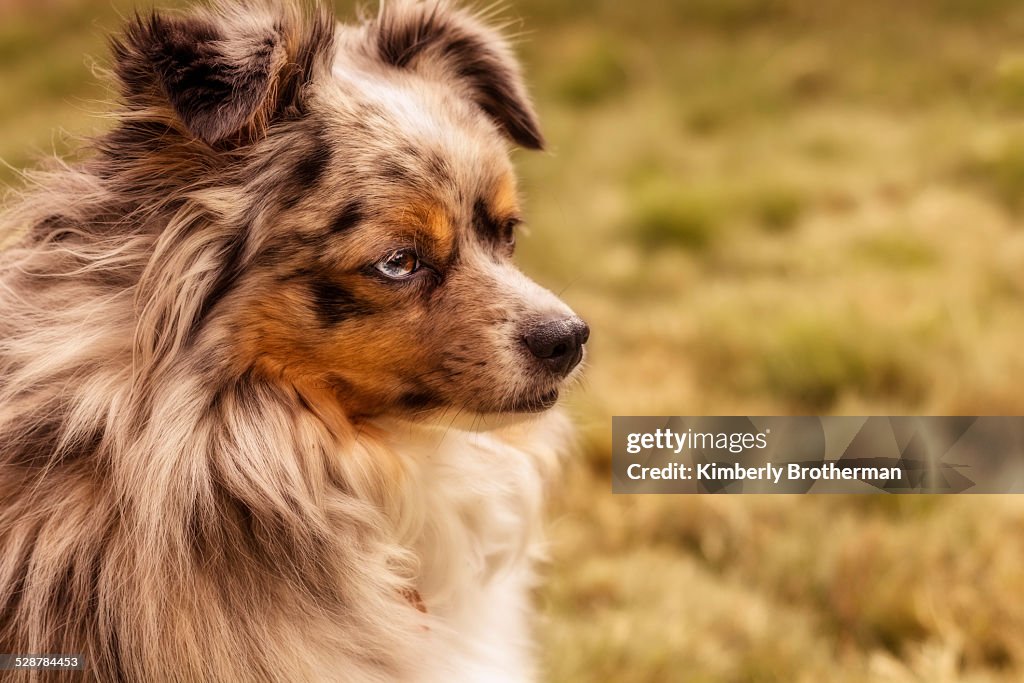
[[274, 400]]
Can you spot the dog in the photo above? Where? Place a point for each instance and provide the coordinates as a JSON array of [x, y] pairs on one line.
[[275, 403]]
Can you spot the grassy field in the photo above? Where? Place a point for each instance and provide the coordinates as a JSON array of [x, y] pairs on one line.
[[761, 207]]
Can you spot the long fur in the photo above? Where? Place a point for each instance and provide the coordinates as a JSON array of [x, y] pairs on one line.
[[180, 501]]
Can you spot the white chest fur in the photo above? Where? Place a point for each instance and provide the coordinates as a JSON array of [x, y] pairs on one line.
[[471, 509]]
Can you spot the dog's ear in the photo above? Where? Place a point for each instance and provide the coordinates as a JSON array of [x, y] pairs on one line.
[[225, 76], [454, 47]]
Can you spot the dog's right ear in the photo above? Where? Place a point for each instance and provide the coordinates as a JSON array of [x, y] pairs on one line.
[[223, 76], [453, 46]]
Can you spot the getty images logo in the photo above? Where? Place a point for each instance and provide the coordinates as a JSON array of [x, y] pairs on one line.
[[666, 439]]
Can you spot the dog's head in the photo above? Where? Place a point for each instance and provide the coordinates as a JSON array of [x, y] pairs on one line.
[[353, 188]]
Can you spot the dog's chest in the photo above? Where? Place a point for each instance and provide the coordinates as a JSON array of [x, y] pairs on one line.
[[472, 512]]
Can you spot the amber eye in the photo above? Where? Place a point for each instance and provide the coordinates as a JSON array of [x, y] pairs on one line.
[[510, 232], [399, 264]]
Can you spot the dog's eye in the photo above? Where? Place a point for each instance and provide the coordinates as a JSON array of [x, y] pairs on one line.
[[509, 232], [399, 264]]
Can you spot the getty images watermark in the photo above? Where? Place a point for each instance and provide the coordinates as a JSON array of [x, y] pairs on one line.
[[818, 454]]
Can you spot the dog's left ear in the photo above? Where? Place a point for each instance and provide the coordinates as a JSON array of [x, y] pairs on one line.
[[224, 74], [454, 47]]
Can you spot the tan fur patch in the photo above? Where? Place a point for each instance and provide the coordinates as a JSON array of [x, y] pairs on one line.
[[505, 198]]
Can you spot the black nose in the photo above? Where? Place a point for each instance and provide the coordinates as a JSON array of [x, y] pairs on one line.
[[558, 343]]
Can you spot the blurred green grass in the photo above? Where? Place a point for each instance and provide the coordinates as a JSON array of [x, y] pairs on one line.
[[761, 207]]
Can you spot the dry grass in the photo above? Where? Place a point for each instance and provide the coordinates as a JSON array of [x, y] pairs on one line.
[[762, 207]]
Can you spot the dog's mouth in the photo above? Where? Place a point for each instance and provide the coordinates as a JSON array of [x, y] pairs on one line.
[[537, 403]]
